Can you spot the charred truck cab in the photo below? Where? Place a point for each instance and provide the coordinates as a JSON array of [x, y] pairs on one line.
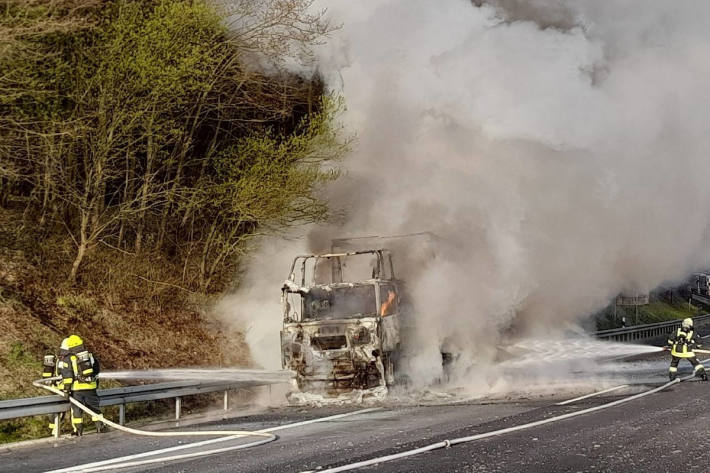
[[341, 333]]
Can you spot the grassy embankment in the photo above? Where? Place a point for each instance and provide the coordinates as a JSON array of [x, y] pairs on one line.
[[661, 311], [658, 310]]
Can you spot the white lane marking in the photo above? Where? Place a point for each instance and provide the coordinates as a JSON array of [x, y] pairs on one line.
[[202, 453], [209, 442], [448, 443], [570, 401], [321, 419]]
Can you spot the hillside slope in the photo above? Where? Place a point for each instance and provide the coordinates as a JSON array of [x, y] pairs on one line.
[[126, 314]]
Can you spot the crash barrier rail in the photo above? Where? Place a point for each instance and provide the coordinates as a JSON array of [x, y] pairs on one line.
[[644, 332], [700, 298], [632, 300], [33, 406]]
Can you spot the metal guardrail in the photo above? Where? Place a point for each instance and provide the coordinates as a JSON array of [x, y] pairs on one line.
[[644, 332], [700, 298], [45, 405], [632, 300]]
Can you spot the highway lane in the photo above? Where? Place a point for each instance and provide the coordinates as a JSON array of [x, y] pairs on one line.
[[667, 431], [43, 455], [655, 434], [643, 433], [295, 450]]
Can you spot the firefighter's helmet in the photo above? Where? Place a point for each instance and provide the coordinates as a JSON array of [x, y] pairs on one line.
[[687, 323], [71, 341]]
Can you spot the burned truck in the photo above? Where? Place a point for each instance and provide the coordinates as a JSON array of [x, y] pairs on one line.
[[341, 329]]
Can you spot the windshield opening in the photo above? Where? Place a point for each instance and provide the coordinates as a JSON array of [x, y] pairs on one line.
[[329, 302]]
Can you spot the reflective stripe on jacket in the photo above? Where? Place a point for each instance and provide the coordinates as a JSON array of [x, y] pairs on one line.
[[682, 343], [49, 371], [72, 378]]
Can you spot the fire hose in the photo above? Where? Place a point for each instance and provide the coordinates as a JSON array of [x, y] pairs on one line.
[[108, 464], [695, 350]]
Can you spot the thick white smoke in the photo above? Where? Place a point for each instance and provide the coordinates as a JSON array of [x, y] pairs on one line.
[[560, 149]]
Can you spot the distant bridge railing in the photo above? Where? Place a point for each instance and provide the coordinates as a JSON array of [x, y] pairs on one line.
[[33, 406], [644, 332], [632, 300]]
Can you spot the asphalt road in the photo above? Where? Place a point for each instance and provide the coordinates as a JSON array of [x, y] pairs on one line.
[[666, 431]]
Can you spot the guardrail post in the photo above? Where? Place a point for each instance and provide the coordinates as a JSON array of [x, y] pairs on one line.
[[226, 400], [122, 414], [178, 403], [57, 427]]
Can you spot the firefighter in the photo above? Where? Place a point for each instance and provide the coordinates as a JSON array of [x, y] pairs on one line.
[[49, 370], [682, 343], [79, 371]]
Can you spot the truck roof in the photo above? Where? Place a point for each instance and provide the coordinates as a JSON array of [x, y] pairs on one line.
[[333, 255]]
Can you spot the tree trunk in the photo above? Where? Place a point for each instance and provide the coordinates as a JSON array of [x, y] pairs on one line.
[[127, 191], [83, 242], [203, 168], [4, 191], [145, 188], [168, 204], [47, 191], [205, 254]]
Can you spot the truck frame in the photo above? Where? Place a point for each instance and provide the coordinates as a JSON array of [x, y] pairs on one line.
[[341, 335]]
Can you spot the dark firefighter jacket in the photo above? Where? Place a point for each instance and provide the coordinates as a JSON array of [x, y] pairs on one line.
[[49, 371], [78, 368], [682, 343]]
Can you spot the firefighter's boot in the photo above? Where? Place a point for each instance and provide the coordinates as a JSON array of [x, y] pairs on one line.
[[700, 372]]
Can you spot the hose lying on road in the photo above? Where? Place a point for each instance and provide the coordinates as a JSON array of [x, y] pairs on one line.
[[449, 443], [269, 437], [128, 460]]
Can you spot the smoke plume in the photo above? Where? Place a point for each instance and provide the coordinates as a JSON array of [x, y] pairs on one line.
[[559, 149]]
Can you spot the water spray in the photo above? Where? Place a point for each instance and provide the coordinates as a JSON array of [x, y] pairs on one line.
[[535, 350], [205, 374]]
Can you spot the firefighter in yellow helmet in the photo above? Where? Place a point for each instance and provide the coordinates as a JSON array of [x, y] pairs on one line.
[[79, 370], [682, 343]]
